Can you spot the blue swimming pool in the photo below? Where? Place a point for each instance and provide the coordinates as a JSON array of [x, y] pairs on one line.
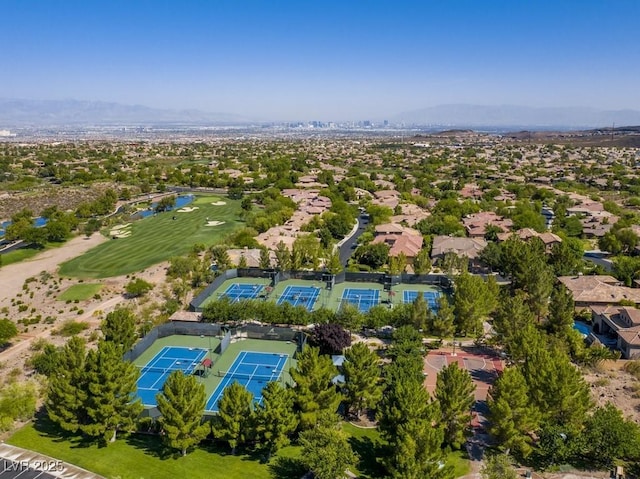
[[584, 328]]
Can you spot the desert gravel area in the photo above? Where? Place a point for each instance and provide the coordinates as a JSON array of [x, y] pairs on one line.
[[29, 296], [13, 276]]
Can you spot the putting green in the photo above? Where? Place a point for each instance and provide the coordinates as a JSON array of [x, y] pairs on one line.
[[156, 239]]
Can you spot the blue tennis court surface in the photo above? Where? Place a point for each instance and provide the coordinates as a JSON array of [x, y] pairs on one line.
[[253, 371], [431, 297], [363, 299], [238, 291], [169, 359], [300, 296]]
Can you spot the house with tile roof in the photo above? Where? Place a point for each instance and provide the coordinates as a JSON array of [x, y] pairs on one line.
[[621, 322]]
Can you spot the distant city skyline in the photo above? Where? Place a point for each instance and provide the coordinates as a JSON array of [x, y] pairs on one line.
[[286, 60]]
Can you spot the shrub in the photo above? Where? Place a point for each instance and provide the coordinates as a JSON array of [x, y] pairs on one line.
[[633, 368], [71, 328]]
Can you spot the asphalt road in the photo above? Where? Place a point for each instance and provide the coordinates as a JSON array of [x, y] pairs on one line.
[[347, 249]]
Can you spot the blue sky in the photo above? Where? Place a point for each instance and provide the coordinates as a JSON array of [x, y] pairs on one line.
[[349, 59]]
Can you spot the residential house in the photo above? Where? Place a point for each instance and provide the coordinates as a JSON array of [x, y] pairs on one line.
[[400, 240], [549, 239], [467, 247], [476, 224], [588, 291], [620, 322]]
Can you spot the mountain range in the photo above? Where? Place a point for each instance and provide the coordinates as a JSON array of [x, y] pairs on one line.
[[20, 113], [46, 113], [462, 115]]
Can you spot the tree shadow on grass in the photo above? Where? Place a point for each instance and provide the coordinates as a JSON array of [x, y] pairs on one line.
[[287, 468], [47, 428], [368, 453], [152, 445]]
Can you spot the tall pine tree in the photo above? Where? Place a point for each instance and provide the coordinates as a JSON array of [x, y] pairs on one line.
[[119, 327], [276, 419], [362, 378], [235, 415], [111, 386], [513, 419], [181, 404], [314, 390], [66, 393], [455, 395]]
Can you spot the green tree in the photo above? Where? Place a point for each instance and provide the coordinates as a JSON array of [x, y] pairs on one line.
[[111, 385], [512, 418], [181, 404], [609, 438], [119, 327], [416, 453], [374, 255], [275, 417], [362, 378], [138, 287], [455, 396], [326, 452], [561, 311], [314, 391], [235, 415], [566, 257], [242, 262], [265, 258], [510, 320], [419, 313], [334, 265], [443, 321], [422, 262], [626, 269], [67, 388], [283, 257], [473, 301], [8, 330], [498, 466], [556, 388]]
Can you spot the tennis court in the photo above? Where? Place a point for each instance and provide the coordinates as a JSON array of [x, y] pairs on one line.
[[238, 291], [253, 370], [431, 297], [363, 299], [300, 296], [170, 358]]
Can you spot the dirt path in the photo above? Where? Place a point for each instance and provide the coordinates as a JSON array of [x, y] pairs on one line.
[[13, 276], [22, 343]]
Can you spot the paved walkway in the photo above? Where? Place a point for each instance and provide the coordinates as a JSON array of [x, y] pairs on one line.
[[24, 459]]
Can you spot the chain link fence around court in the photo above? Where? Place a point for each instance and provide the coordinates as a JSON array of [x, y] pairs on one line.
[[226, 333], [170, 329], [275, 276]]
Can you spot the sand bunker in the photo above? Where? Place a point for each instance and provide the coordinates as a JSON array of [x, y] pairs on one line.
[[187, 209], [214, 223], [219, 203], [120, 231]]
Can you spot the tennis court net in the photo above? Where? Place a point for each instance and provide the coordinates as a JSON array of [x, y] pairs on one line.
[[149, 369], [256, 377]]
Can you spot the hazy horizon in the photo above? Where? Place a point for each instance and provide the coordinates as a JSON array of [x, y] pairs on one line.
[[325, 60]]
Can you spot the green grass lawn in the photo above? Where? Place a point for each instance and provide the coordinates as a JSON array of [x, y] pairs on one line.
[[23, 254], [80, 292], [156, 239], [144, 457]]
